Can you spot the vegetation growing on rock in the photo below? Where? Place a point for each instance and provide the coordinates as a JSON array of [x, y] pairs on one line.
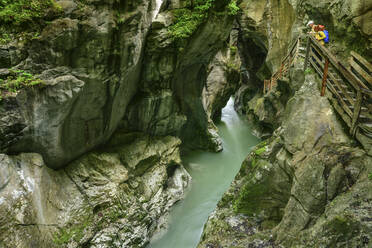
[[25, 16], [16, 80], [188, 19]]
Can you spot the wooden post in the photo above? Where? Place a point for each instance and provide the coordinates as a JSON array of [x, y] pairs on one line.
[[281, 70], [307, 53], [264, 88], [297, 50], [325, 74], [357, 107], [271, 84]]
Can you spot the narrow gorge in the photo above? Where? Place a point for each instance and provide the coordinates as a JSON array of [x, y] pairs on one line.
[[185, 123]]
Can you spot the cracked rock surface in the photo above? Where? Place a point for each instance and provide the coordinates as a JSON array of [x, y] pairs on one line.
[[110, 198], [305, 186]]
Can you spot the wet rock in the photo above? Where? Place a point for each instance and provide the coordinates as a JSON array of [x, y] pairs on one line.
[[93, 201], [4, 58], [305, 186], [12, 123], [89, 61]]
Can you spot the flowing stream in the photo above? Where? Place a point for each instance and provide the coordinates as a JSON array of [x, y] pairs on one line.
[[212, 173], [158, 4]]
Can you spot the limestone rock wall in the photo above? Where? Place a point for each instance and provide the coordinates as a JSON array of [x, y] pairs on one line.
[[306, 186], [109, 198], [99, 58], [173, 79], [267, 28], [90, 61]]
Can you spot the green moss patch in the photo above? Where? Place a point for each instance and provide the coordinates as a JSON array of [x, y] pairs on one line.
[[188, 19], [16, 80], [342, 228], [25, 17], [72, 233]]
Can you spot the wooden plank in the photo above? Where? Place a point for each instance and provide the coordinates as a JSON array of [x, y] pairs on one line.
[[360, 71], [365, 127], [344, 92], [362, 60], [316, 67], [342, 103], [325, 74], [341, 112], [292, 46], [367, 92], [366, 114], [355, 82], [313, 57], [281, 70], [271, 84], [308, 45], [357, 106]]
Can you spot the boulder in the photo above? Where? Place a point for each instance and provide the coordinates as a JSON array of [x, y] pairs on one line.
[[114, 196]]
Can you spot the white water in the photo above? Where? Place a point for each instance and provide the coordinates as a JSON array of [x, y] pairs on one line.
[[158, 4], [212, 174]]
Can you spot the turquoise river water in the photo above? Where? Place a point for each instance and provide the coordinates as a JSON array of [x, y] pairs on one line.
[[212, 173]]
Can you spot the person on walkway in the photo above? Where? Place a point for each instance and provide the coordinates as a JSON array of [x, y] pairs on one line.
[[320, 36], [312, 26]]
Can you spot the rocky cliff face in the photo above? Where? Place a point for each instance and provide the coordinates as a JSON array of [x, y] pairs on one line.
[[307, 185], [105, 66], [91, 61], [109, 198], [134, 79]]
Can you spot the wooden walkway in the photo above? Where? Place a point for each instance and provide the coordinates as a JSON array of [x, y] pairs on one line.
[[294, 52], [350, 88]]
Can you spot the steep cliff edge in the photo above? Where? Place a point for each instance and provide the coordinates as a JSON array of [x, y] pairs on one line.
[[118, 78], [305, 186], [308, 185], [109, 198], [97, 57], [135, 80], [89, 60]]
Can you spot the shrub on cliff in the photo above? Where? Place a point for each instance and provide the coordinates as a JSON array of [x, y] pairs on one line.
[[188, 19], [20, 16]]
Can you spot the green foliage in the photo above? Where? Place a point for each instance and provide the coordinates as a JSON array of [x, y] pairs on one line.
[[18, 12], [232, 66], [260, 150], [308, 71], [233, 8], [370, 176], [233, 50], [75, 232], [247, 201], [24, 16], [17, 80], [190, 18]]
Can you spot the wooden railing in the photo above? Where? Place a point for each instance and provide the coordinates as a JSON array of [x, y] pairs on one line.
[[350, 88], [288, 60]]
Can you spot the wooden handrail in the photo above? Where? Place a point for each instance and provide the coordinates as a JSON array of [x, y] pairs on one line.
[[338, 65], [341, 82], [362, 68], [345, 75], [286, 63]]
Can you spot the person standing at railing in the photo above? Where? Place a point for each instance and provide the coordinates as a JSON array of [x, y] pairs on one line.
[[312, 26], [320, 36], [319, 32]]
